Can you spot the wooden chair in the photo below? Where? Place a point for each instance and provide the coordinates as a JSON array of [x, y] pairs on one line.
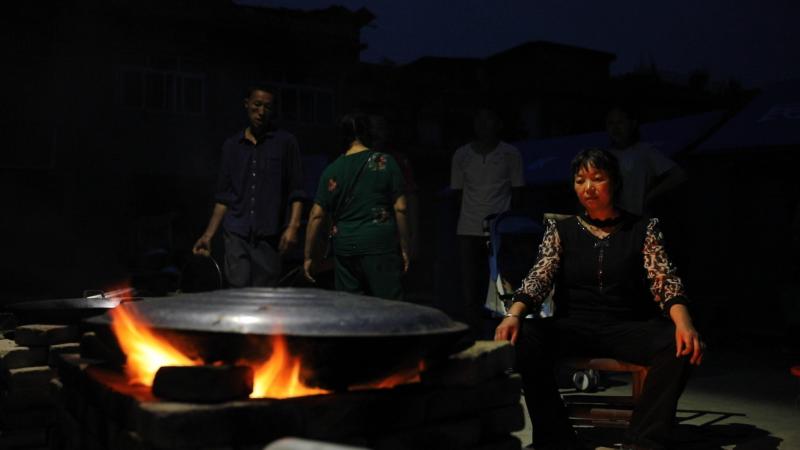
[[605, 410]]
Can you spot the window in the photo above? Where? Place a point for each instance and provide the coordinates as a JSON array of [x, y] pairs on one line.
[[162, 87], [305, 104], [155, 92], [132, 89], [289, 103], [192, 95], [325, 112]]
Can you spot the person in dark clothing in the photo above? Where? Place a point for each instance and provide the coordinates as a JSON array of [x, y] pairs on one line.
[[361, 192], [260, 178], [616, 295]]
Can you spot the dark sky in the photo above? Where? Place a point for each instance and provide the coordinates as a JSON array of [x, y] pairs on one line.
[[756, 42]]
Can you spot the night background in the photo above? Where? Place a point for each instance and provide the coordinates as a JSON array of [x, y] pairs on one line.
[[116, 112]]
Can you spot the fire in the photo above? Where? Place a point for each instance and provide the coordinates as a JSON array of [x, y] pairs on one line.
[[279, 376], [407, 376], [146, 352]]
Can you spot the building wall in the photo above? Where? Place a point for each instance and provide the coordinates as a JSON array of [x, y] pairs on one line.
[[122, 107]]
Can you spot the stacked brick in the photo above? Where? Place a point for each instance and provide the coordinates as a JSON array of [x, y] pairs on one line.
[[468, 402], [26, 408]]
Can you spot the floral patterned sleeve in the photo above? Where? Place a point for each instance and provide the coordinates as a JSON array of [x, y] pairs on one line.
[[539, 281], [665, 285]]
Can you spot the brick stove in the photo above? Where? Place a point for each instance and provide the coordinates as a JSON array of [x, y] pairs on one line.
[[466, 400], [28, 354]]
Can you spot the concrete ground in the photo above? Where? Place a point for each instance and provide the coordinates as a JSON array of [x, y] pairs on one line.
[[739, 398]]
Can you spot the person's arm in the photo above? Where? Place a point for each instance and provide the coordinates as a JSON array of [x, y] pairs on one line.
[[665, 284], [458, 197], [401, 216], [667, 289], [668, 175], [311, 251], [222, 197], [666, 182], [509, 328], [539, 281], [687, 339], [535, 287], [203, 245], [457, 178], [289, 236], [294, 175], [412, 205]]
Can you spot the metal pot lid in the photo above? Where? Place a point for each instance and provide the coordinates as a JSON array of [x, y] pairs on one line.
[[291, 312]]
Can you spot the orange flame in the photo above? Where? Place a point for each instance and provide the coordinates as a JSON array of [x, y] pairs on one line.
[[407, 376], [146, 352], [279, 376]]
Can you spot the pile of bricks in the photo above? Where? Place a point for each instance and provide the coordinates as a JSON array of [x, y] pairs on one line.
[[27, 356], [468, 401]]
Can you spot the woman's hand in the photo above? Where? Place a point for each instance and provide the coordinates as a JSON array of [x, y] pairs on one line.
[[688, 342], [687, 339], [406, 260], [508, 330], [308, 269]]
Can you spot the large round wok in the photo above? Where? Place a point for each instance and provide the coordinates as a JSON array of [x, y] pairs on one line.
[[343, 339]]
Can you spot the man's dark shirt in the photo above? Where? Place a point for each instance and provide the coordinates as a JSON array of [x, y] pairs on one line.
[[258, 182]]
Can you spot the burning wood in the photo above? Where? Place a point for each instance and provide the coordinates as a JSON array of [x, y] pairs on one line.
[[280, 376], [203, 384], [146, 352]]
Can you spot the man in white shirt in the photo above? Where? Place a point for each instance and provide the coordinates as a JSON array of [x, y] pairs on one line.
[[646, 173], [483, 173]]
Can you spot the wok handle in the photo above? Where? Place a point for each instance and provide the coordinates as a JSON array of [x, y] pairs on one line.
[[90, 293]]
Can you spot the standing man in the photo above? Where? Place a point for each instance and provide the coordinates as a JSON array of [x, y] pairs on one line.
[[483, 173], [260, 178], [646, 173]]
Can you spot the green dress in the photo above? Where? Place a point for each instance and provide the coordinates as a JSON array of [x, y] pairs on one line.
[[365, 243]]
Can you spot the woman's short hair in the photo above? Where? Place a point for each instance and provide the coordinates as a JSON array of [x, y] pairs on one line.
[[355, 126], [600, 159]]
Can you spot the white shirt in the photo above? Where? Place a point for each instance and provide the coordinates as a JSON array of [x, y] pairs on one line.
[[640, 165], [486, 181]]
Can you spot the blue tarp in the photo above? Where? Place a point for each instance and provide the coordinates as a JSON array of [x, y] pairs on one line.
[[546, 161], [770, 122]]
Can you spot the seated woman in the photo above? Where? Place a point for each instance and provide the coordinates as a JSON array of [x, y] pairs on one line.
[[612, 278]]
